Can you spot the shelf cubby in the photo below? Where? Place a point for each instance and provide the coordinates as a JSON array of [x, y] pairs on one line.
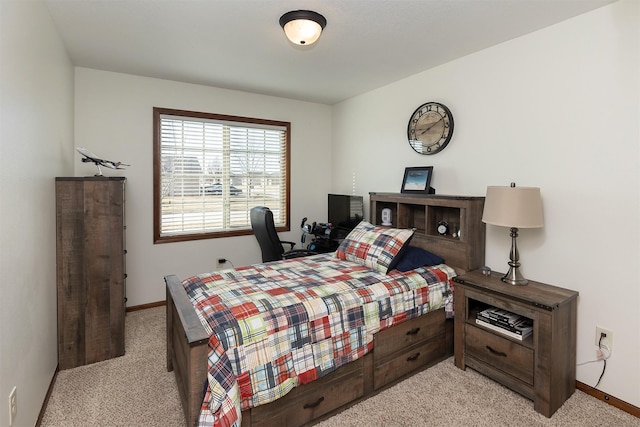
[[425, 212], [412, 216]]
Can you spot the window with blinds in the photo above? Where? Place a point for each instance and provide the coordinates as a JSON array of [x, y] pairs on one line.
[[210, 170]]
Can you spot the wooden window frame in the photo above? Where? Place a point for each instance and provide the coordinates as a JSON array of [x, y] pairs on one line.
[[157, 174]]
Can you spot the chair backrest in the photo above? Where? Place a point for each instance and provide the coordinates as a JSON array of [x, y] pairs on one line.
[[265, 231]]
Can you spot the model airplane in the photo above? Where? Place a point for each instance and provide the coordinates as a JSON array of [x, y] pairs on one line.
[[89, 157]]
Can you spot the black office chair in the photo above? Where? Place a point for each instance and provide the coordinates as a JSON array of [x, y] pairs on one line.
[[270, 244]]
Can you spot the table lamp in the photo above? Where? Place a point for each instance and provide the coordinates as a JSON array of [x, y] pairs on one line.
[[514, 207]]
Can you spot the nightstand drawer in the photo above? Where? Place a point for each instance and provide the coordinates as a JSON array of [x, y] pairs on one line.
[[501, 353]]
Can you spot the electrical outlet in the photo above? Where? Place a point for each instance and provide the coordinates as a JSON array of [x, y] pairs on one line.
[[607, 339], [13, 405]]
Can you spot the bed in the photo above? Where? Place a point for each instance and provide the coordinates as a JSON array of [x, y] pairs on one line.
[[382, 323]]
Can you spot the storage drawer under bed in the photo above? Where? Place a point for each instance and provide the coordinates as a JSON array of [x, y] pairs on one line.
[[407, 347], [407, 361], [407, 334], [310, 401]]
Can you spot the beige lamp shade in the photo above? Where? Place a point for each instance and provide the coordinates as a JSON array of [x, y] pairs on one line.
[[516, 207]]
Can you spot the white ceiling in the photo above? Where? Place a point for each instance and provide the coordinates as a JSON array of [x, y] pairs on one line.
[[238, 44]]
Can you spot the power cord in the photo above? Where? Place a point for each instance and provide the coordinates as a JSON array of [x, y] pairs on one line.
[[603, 354], [223, 261], [603, 369]]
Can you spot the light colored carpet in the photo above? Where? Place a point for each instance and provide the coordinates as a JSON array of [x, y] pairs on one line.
[[129, 391], [136, 390], [444, 395]]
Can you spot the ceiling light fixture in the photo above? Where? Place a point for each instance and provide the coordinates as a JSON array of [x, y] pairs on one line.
[[302, 27]]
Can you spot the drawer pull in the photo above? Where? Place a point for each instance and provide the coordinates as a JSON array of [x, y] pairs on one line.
[[497, 353], [414, 357], [413, 331], [314, 404]]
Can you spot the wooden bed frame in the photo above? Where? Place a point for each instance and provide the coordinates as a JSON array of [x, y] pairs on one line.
[[398, 351]]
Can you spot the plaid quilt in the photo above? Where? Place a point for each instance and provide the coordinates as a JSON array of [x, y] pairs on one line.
[[277, 325]]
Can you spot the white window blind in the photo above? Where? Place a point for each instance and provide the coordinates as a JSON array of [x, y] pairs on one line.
[[213, 170]]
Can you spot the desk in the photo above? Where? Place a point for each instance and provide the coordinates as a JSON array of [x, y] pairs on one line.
[[323, 245]]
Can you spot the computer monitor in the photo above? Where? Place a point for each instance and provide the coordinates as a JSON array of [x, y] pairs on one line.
[[345, 212]]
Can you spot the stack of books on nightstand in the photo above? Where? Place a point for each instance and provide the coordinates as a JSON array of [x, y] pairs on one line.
[[507, 323]]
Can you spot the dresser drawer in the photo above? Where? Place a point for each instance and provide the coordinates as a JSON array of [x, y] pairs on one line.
[[404, 335], [407, 361], [501, 353], [310, 401]]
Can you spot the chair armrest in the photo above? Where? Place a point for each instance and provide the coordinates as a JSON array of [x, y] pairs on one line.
[[297, 253], [286, 242]]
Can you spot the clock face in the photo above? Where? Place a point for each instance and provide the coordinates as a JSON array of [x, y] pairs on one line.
[[443, 227], [430, 128]]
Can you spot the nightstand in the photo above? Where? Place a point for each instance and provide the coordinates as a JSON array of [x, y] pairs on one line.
[[542, 366]]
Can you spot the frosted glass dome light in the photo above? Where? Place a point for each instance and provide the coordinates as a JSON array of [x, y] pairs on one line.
[[303, 27]]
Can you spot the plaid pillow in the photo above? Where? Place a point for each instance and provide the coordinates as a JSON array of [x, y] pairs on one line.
[[374, 247]]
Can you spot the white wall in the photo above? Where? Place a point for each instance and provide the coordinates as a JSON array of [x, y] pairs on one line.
[[114, 120], [36, 140], [557, 109]]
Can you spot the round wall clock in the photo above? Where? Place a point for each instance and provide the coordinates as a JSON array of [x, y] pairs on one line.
[[430, 128]]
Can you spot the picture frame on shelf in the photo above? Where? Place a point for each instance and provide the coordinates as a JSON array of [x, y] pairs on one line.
[[417, 180]]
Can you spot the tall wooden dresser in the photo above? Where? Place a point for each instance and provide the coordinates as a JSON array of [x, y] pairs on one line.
[[90, 278]]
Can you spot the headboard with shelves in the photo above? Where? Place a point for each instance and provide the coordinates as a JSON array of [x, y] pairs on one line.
[[462, 246]]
